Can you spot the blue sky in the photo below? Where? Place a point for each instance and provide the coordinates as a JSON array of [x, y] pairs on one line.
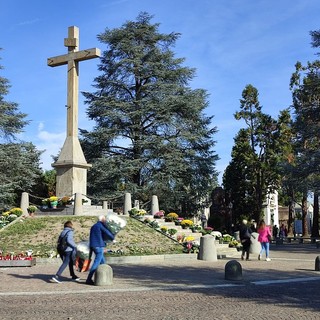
[[231, 43]]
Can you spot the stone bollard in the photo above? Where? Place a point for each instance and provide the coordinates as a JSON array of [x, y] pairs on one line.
[[105, 205], [255, 246], [208, 250], [77, 209], [317, 264], [103, 275], [154, 204], [233, 270], [24, 203], [127, 203]]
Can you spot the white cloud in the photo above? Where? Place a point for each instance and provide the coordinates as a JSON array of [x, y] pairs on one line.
[[50, 142]]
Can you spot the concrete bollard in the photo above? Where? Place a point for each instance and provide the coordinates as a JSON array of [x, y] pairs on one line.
[[317, 264], [208, 250], [255, 246], [103, 275], [233, 270]]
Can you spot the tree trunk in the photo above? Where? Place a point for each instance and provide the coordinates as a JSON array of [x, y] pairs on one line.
[[290, 218], [315, 222], [304, 216]]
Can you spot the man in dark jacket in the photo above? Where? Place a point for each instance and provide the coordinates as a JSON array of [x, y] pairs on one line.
[[98, 233]]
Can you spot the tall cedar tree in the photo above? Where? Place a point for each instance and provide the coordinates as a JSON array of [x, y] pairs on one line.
[[151, 136], [19, 161]]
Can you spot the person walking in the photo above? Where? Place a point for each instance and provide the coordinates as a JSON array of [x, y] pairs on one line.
[[245, 235], [204, 220], [99, 233], [264, 238], [68, 254]]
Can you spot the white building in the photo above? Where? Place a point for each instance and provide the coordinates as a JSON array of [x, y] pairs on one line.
[[271, 209]]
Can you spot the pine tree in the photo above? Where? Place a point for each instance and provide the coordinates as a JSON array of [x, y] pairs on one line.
[[151, 135], [255, 158]]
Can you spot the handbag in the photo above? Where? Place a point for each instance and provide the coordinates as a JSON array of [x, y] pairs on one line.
[[269, 237]]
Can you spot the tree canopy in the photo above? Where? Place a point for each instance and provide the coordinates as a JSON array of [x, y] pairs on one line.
[[151, 135], [19, 161]]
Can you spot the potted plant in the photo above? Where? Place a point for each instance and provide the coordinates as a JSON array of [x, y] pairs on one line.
[[159, 214], [172, 216], [53, 202], [195, 228], [16, 211], [177, 222], [31, 210], [185, 224]]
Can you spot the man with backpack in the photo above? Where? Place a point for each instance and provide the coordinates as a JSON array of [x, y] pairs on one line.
[[67, 249]]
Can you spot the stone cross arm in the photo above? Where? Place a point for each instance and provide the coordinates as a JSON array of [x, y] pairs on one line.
[[74, 56]]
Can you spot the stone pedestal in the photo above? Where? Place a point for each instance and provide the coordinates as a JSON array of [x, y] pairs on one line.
[[208, 250]]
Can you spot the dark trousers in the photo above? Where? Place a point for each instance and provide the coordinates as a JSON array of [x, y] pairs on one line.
[[246, 247], [67, 260]]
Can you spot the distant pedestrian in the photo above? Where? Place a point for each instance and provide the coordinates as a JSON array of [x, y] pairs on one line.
[[204, 220], [99, 233], [265, 239], [283, 231], [275, 231], [68, 252], [245, 238]]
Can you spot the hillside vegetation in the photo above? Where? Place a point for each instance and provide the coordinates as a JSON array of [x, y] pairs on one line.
[[40, 235]]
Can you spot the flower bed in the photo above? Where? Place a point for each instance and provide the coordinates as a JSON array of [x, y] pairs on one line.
[[10, 260]]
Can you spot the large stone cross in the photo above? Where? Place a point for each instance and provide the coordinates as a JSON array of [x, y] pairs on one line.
[[71, 165]]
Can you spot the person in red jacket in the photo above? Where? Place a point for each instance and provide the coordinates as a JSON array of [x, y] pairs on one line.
[[264, 238], [99, 233]]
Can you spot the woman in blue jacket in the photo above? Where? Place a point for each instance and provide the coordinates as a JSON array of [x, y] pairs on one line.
[[98, 235], [68, 254]]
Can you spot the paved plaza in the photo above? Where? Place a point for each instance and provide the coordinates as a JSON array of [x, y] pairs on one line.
[[285, 288]]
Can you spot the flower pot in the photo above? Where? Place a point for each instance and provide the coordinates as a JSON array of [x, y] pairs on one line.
[[54, 204]]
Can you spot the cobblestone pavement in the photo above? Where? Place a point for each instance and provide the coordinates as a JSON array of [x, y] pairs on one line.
[[285, 288]]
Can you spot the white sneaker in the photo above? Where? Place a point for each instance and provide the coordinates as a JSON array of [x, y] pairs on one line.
[[268, 259], [56, 279]]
